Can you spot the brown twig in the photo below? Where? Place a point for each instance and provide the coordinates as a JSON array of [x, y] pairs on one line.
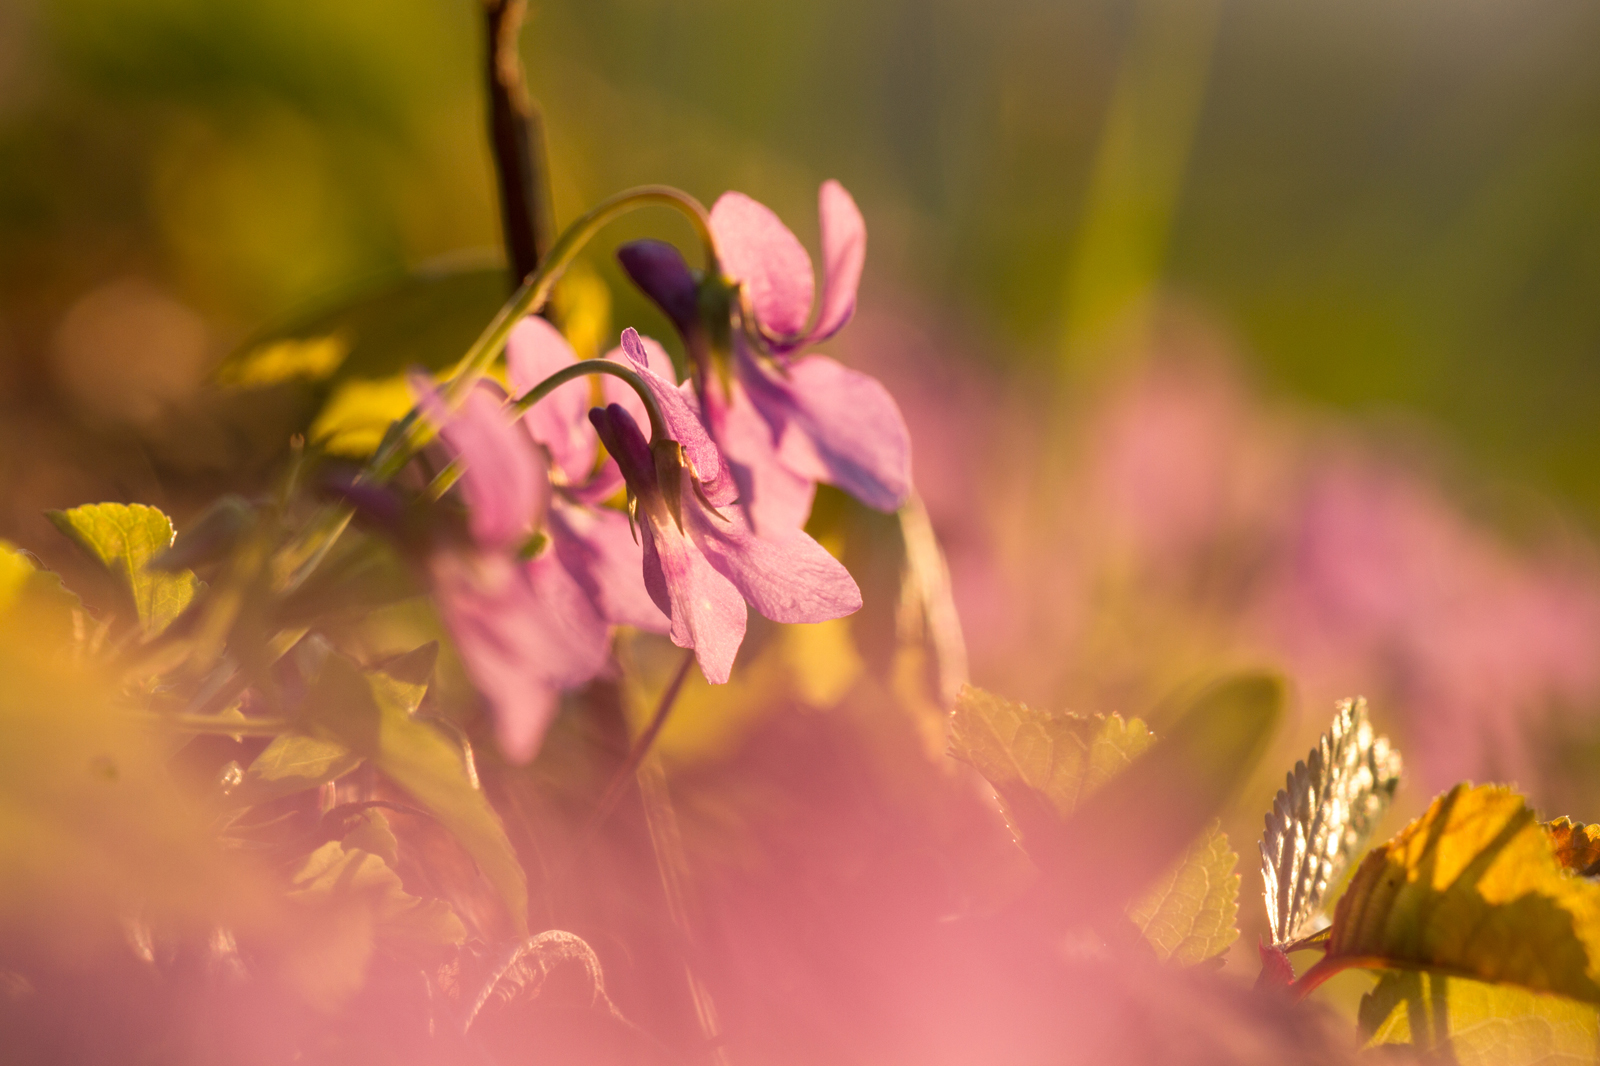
[[516, 135]]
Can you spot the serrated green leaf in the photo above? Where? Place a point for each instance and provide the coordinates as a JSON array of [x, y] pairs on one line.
[[363, 904], [292, 763], [25, 589], [124, 538], [1472, 1023], [1046, 768], [1190, 913], [1321, 818], [1064, 757], [370, 712], [1473, 888], [369, 830]]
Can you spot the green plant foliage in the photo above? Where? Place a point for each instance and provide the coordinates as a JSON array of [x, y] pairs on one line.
[[425, 319], [1473, 888], [341, 869], [1472, 1023], [37, 594], [1064, 757], [1190, 913], [124, 538], [1045, 766], [361, 905], [1322, 817], [370, 712], [292, 763]]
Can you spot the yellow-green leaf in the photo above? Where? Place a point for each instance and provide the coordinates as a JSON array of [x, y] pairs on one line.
[[1180, 877], [292, 763], [1188, 915], [123, 538], [1473, 888], [1064, 757], [370, 713], [1472, 1023], [426, 319]]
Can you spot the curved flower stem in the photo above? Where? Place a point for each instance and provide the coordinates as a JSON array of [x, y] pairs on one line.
[[641, 746], [532, 294], [658, 422], [217, 724]]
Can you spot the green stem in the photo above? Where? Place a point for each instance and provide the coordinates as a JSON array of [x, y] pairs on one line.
[[217, 724], [532, 294], [658, 422]]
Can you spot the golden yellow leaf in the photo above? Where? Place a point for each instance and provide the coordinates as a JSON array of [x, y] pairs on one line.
[[1473, 888]]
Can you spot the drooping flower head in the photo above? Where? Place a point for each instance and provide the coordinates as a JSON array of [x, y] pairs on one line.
[[702, 562], [529, 593], [784, 423]]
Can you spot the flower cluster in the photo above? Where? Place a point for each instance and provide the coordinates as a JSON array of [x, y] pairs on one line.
[[716, 495]]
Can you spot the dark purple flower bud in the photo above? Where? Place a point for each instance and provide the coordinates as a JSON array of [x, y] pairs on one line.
[[658, 268]]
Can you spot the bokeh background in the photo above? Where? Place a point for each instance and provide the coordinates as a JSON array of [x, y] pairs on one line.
[[1230, 332]]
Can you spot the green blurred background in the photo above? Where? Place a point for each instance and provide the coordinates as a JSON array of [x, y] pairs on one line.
[[1393, 206]]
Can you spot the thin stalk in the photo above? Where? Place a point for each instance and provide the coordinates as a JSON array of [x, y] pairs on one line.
[[658, 422], [217, 724], [641, 746], [532, 295]]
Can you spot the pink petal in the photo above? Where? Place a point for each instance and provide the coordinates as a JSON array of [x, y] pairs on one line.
[[617, 391], [534, 351], [708, 614], [504, 483], [788, 577], [772, 497], [839, 426], [757, 250], [844, 251], [501, 621], [681, 409], [599, 551]]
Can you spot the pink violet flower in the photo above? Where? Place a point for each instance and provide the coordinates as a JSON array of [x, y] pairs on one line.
[[527, 628], [784, 423], [703, 569]]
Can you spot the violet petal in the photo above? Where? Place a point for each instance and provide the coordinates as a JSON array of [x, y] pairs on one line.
[[599, 551], [788, 577], [844, 251], [839, 426], [757, 250], [681, 410], [504, 483], [708, 614], [534, 351], [772, 497]]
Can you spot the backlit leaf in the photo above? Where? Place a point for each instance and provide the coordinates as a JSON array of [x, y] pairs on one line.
[[1472, 1023], [1020, 750], [1322, 817], [371, 713], [292, 763], [1473, 888], [124, 538], [1577, 845], [1045, 768], [1188, 915], [424, 319]]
